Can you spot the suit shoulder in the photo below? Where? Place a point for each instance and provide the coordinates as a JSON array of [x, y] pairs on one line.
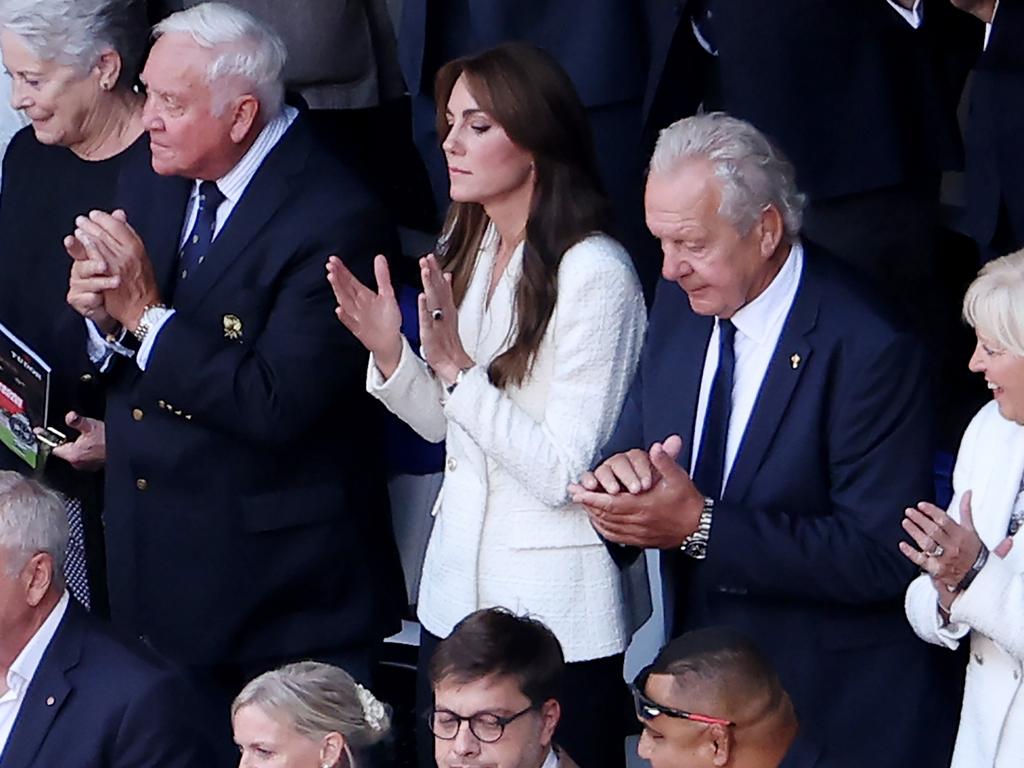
[[106, 655], [596, 257]]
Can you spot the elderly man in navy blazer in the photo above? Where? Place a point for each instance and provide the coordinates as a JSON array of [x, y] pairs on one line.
[[777, 427], [246, 517], [71, 694]]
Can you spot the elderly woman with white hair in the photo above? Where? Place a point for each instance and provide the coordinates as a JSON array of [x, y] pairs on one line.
[[73, 65], [972, 585], [306, 715]]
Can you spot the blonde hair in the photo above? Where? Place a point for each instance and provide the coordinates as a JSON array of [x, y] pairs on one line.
[[318, 699], [994, 302]]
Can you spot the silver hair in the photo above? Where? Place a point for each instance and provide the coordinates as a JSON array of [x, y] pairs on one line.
[[754, 174], [32, 520], [994, 302], [246, 49], [77, 32], [317, 699]]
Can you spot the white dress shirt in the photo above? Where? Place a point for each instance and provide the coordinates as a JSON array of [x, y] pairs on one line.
[[23, 669], [758, 327], [232, 185], [988, 25]]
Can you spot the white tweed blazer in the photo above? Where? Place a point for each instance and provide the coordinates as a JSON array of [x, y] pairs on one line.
[[991, 610], [505, 533]]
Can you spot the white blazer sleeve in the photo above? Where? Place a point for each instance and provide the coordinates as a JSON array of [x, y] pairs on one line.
[[921, 605], [412, 394], [597, 334], [994, 603]]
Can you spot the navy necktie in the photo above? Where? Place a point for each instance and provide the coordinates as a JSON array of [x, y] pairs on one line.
[[709, 472], [197, 244]]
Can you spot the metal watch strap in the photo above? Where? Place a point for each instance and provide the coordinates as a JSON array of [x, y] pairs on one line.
[[969, 577], [696, 544], [143, 326]]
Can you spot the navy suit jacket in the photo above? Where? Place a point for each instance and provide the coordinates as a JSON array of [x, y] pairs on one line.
[[600, 44], [246, 516], [802, 554], [995, 153], [96, 702]]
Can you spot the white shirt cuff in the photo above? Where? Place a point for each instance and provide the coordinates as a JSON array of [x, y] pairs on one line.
[[160, 317], [914, 16], [100, 350], [988, 25]]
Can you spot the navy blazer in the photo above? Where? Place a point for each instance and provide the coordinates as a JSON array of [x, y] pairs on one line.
[[246, 516], [995, 153], [600, 44], [802, 554], [96, 702]]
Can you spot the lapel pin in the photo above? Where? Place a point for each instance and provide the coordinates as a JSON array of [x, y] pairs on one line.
[[795, 361], [232, 327], [50, 701]]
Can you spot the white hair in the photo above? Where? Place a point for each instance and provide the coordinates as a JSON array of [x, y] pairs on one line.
[[994, 302], [77, 32], [32, 520], [754, 174], [246, 49], [317, 699]]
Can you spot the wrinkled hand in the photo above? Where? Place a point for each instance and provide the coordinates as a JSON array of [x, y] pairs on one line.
[[88, 452], [114, 242], [442, 347], [90, 278], [632, 469], [661, 517], [931, 528], [982, 9], [373, 317]]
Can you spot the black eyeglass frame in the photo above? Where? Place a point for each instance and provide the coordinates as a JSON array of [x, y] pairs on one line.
[[501, 721], [648, 709]]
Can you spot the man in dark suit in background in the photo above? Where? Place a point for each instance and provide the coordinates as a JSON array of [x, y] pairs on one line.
[[246, 519], [995, 152], [786, 418], [71, 694]]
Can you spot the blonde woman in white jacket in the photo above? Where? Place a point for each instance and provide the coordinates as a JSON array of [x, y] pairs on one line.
[[972, 556], [531, 323]]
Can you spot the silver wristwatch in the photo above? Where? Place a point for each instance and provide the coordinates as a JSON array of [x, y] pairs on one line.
[[696, 544], [146, 321]]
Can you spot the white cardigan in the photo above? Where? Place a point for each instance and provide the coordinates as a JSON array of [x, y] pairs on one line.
[[505, 533], [991, 465]]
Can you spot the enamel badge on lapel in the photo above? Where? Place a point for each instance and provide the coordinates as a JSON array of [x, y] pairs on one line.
[[232, 327], [50, 701], [795, 361]]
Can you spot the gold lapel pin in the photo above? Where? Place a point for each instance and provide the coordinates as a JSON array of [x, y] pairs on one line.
[[795, 361], [232, 327], [50, 701]]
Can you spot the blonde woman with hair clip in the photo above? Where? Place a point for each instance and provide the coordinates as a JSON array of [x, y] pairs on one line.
[[306, 715]]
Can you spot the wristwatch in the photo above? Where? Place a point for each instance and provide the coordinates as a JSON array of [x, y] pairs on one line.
[[146, 321], [696, 544], [979, 563]]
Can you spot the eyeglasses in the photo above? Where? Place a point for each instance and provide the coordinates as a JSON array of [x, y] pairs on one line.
[[486, 726], [648, 709]]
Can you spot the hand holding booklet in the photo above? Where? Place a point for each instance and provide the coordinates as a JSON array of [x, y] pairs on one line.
[[24, 397]]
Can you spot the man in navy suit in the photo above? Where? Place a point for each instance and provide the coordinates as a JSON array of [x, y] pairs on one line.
[[71, 694], [776, 429], [246, 520]]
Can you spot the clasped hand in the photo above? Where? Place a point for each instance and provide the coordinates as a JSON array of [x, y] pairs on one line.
[[375, 319], [642, 498], [111, 275]]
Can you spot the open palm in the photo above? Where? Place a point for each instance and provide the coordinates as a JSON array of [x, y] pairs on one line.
[[373, 316]]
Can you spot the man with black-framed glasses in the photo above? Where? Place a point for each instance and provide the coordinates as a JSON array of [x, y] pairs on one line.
[[497, 680], [711, 698]]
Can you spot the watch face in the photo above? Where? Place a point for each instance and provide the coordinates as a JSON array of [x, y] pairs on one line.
[[696, 549]]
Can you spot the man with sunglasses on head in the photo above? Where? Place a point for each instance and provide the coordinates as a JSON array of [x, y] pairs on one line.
[[712, 699], [497, 679]]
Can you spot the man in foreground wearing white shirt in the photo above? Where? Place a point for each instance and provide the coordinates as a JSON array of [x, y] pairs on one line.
[[71, 694]]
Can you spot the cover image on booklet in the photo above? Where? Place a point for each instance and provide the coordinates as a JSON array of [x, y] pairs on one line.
[[24, 396]]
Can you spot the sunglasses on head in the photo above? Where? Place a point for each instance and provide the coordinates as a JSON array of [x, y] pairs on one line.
[[648, 709]]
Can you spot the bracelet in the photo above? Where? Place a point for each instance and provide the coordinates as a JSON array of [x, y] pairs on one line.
[[972, 574]]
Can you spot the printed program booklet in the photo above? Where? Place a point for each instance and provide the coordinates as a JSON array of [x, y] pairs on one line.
[[24, 396]]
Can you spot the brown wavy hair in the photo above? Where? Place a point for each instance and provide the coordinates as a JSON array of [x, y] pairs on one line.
[[528, 93]]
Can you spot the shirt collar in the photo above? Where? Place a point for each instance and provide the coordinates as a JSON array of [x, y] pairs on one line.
[[233, 183], [551, 761], [24, 667], [756, 319]]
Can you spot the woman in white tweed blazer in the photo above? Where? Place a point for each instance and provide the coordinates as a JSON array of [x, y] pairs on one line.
[[973, 556], [531, 323]]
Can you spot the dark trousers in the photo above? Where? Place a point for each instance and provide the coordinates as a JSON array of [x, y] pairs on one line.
[[596, 710]]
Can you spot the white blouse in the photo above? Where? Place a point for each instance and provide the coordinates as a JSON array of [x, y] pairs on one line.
[[505, 532]]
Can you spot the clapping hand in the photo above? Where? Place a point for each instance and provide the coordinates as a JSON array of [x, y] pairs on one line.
[[90, 278], [373, 317], [664, 509], [948, 549], [439, 323]]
